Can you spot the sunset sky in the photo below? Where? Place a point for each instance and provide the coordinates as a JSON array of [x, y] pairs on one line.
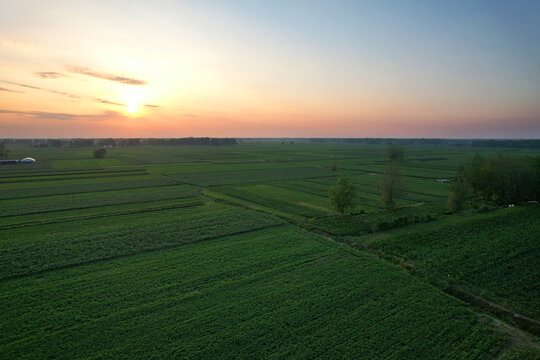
[[456, 69]]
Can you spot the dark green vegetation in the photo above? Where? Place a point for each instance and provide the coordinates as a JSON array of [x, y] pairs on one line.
[[343, 196], [459, 191], [4, 151], [504, 179], [100, 153], [470, 250], [236, 252]]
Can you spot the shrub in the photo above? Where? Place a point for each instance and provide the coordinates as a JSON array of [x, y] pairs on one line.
[[100, 153]]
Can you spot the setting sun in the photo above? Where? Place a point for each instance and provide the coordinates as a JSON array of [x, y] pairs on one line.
[[132, 108]]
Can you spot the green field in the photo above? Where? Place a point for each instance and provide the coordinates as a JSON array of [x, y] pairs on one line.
[[471, 251], [235, 252]]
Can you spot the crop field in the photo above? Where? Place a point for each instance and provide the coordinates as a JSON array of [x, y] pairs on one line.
[[471, 251], [251, 176], [201, 252], [52, 203], [264, 293]]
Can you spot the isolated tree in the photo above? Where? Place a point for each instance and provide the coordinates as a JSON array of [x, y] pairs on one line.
[[395, 152], [4, 151], [343, 196], [459, 191], [334, 166], [391, 185], [475, 175], [99, 153]]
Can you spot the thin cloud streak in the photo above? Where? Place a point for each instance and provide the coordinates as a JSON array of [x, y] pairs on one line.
[[105, 101], [64, 116], [9, 90], [105, 76], [73, 96], [151, 106], [63, 93], [28, 86], [50, 75]]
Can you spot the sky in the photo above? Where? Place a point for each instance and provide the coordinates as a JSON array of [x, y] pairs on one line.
[[163, 68]]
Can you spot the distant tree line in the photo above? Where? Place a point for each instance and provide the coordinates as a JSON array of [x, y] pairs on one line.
[[519, 143], [110, 142], [192, 141], [506, 143], [502, 179], [531, 143]]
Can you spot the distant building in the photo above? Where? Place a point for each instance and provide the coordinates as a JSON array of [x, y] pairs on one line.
[[27, 160]]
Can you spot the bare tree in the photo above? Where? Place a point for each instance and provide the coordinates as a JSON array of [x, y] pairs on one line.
[[391, 185], [459, 191]]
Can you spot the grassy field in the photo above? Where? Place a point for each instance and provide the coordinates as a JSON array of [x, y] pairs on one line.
[[235, 252]]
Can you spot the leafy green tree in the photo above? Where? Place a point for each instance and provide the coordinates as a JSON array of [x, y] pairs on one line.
[[100, 153], [334, 166], [4, 151], [511, 179], [391, 185], [459, 191], [343, 196], [395, 152], [504, 179]]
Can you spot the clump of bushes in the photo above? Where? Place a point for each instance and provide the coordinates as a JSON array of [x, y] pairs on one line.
[[358, 223], [484, 208], [401, 221], [99, 153]]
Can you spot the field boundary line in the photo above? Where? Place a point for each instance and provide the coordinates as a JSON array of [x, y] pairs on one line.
[[93, 207], [87, 192], [381, 172], [94, 216], [100, 176], [74, 173], [257, 182], [145, 251]]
